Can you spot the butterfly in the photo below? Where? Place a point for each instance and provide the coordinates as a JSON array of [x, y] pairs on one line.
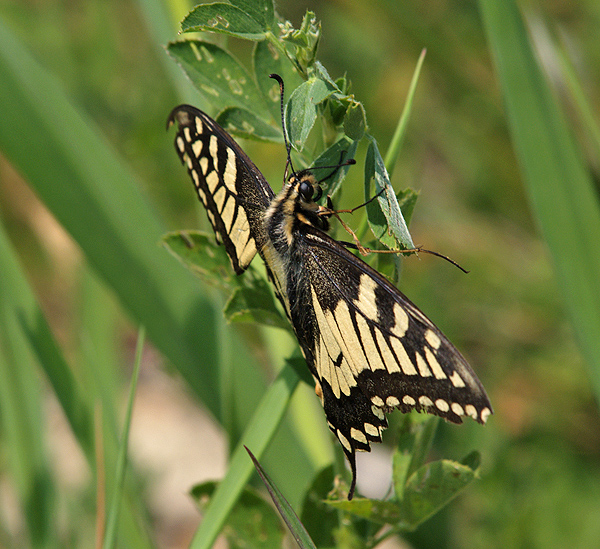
[[368, 348]]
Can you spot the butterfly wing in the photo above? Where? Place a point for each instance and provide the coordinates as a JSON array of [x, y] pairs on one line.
[[232, 189], [372, 350]]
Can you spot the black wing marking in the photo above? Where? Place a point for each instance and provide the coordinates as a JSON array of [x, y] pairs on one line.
[[232, 189], [372, 350]]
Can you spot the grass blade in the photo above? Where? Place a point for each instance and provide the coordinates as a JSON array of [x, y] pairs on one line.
[[561, 192]]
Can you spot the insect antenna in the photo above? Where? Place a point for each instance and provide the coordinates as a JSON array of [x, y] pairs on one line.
[[288, 145]]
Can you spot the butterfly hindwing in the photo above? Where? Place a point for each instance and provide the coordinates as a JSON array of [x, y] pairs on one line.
[[372, 350], [232, 189]]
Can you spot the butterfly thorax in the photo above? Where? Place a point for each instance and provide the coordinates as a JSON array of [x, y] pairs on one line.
[[291, 211]]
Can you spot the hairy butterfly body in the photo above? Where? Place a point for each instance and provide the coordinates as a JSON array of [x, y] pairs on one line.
[[369, 349]]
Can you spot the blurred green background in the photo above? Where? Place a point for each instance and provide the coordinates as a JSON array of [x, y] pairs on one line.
[[540, 484]]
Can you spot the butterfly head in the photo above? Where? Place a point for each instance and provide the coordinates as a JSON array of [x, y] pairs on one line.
[[304, 191]]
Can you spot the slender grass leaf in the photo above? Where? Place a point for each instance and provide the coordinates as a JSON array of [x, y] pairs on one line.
[[118, 494], [226, 19], [252, 521], [18, 302], [257, 436], [398, 138], [562, 195], [285, 509], [95, 197]]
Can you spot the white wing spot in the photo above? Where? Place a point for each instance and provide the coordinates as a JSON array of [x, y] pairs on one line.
[[228, 212], [358, 435], [378, 401], [485, 413], [187, 134], [437, 370], [387, 357], [199, 126], [407, 366], [442, 405], [366, 339], [401, 321], [378, 412], [366, 302], [425, 401], [456, 380], [201, 194], [343, 440], [392, 401], [249, 251], [457, 409], [197, 148], [180, 144], [204, 165], [230, 171], [432, 338], [212, 180], [213, 147], [219, 198], [408, 400], [422, 365], [370, 429], [471, 411]]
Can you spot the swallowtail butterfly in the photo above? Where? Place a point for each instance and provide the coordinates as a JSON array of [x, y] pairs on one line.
[[369, 349]]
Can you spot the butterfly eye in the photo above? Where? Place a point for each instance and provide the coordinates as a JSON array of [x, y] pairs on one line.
[[306, 191]]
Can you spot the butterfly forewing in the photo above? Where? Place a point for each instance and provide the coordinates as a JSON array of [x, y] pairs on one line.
[[232, 189]]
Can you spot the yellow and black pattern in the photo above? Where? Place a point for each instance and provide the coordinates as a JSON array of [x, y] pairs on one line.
[[233, 191], [369, 349]]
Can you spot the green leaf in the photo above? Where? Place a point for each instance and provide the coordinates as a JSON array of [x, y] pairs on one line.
[[285, 509], [246, 124], [414, 442], [384, 215], [319, 519], [563, 197], [251, 298], [267, 59], [200, 253], [255, 304], [218, 76], [355, 121], [226, 19], [383, 512], [260, 10], [252, 522], [301, 109], [432, 486], [342, 150]]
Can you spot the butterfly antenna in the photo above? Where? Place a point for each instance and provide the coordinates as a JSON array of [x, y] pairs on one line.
[[288, 146]]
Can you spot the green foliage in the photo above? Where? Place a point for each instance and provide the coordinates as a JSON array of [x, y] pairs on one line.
[[82, 80]]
